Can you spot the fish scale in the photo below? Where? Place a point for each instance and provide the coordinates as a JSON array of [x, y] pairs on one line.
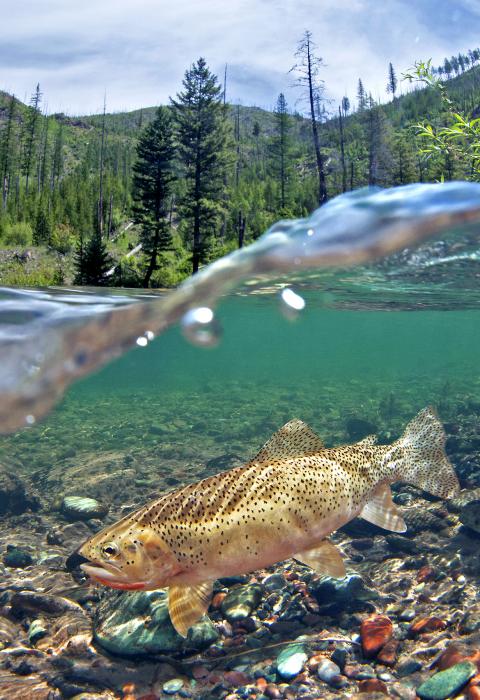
[[282, 504]]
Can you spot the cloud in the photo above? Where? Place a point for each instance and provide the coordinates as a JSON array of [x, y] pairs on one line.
[[138, 51]]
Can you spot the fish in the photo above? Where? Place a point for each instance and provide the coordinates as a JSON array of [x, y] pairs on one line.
[[282, 504]]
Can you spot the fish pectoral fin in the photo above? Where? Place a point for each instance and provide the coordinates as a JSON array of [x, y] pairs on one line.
[[187, 604], [294, 439], [382, 511], [325, 558]]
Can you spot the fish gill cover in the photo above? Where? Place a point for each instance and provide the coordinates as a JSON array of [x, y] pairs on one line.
[[49, 339]]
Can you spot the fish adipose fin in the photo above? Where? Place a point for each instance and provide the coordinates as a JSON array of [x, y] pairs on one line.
[[382, 511], [419, 458], [294, 439], [187, 604], [324, 559]]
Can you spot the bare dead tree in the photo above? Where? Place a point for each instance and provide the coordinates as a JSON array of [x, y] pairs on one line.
[[307, 71]]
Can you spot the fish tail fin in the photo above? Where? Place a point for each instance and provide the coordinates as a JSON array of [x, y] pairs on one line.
[[419, 458]]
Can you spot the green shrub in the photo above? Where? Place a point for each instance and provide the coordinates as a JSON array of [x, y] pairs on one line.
[[19, 233]]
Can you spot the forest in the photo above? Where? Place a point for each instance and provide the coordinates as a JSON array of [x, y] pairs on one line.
[[145, 198]]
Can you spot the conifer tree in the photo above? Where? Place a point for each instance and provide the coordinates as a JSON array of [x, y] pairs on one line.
[[281, 147], [152, 182], [362, 96], [30, 134], [205, 151], [42, 232], [92, 262], [6, 152], [392, 80], [307, 69], [345, 105]]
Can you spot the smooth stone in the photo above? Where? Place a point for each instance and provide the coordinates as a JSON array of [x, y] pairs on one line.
[[17, 558], [173, 686], [407, 667], [291, 661], [240, 602], [344, 593], [138, 624], [274, 582], [36, 631], [330, 673], [447, 683], [375, 632], [470, 516], [82, 508]]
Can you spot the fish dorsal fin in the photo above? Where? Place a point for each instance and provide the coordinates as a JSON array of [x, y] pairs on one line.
[[187, 604], [324, 558], [294, 439], [368, 441], [382, 511]]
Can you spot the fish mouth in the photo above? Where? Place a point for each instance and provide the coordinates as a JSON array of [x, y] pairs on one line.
[[112, 578]]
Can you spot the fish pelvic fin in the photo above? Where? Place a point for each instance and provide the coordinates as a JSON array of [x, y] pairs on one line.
[[382, 511], [294, 439], [187, 604], [324, 558], [419, 458]]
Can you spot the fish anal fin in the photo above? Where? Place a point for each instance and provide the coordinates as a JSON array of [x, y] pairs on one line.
[[187, 604], [382, 511], [294, 439], [324, 558]]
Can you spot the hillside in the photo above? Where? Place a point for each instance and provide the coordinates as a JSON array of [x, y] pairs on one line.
[[51, 177]]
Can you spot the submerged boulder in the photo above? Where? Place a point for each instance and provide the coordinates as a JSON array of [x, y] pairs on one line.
[[470, 516], [15, 496], [138, 624], [348, 593]]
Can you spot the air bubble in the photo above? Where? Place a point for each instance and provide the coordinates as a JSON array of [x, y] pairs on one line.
[[200, 327], [142, 341], [291, 303], [30, 419]]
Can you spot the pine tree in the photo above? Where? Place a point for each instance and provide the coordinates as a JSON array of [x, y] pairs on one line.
[[281, 147], [362, 96], [342, 149], [30, 134], [392, 80], [152, 187], [6, 152], [307, 70], [345, 105], [92, 262], [205, 152], [42, 232]]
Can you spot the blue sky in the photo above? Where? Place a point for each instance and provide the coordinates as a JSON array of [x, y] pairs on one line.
[[137, 50]]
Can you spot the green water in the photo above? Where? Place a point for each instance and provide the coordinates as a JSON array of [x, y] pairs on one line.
[[174, 400]]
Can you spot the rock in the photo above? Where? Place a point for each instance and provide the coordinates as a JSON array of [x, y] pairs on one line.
[[173, 686], [16, 557], [358, 428], [372, 685], [31, 602], [138, 624], [348, 593], [329, 672], [15, 496], [274, 582], [240, 602], [388, 653], [375, 632], [291, 661], [470, 516], [444, 684], [36, 631], [426, 624], [407, 667], [82, 508]]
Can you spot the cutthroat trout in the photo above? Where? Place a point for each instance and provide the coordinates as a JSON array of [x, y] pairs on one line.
[[282, 504]]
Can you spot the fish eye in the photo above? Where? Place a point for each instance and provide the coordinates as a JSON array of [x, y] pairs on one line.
[[110, 550]]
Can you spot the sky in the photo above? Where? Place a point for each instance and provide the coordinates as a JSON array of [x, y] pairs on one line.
[[136, 51]]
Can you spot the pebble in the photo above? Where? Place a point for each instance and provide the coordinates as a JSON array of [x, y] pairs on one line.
[[291, 661], [240, 602], [82, 508], [173, 686], [388, 653], [372, 685], [36, 631], [375, 632], [16, 557], [330, 673], [446, 683], [427, 624], [407, 667]]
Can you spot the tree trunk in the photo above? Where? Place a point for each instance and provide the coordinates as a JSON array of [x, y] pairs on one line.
[[322, 187], [342, 150]]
